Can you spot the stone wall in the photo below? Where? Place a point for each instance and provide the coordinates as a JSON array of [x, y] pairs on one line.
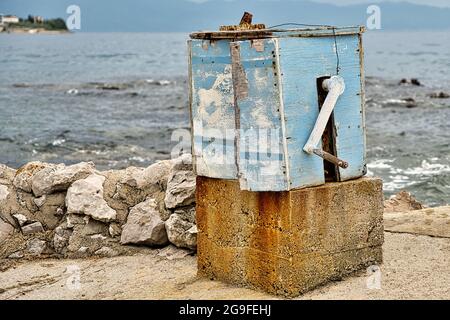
[[50, 210]]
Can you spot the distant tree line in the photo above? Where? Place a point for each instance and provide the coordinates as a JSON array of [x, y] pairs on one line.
[[34, 22]]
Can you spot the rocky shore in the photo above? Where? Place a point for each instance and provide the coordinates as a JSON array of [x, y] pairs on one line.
[[76, 211]]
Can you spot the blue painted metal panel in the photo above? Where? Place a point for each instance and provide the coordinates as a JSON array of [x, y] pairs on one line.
[[212, 109], [260, 139], [349, 111], [274, 102], [303, 61]]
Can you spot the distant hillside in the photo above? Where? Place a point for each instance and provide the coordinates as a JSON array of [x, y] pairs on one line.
[[184, 15]]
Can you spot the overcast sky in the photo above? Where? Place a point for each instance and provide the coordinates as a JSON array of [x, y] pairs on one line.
[[440, 3]]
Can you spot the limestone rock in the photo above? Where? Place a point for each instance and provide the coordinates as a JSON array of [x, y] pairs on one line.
[[40, 201], [23, 177], [93, 227], [182, 163], [181, 233], [180, 189], [173, 253], [144, 225], [21, 219], [79, 239], [47, 209], [61, 238], [114, 230], [141, 178], [34, 227], [36, 247], [73, 219], [106, 252], [16, 255], [401, 202], [3, 192], [60, 177], [186, 213], [86, 197], [6, 230], [6, 174]]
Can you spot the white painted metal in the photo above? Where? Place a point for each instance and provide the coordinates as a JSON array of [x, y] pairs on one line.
[[335, 87]]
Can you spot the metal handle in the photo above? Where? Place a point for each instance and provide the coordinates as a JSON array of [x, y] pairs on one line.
[[335, 87]]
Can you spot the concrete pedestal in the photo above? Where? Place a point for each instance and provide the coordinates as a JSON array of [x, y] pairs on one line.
[[287, 243]]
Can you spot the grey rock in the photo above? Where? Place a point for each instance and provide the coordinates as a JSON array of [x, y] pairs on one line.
[[16, 255], [186, 213], [182, 163], [106, 252], [34, 227], [86, 197], [61, 239], [114, 230], [36, 247], [45, 213], [98, 237], [3, 193], [93, 227], [144, 225], [24, 176], [180, 189], [7, 174], [72, 220], [21, 219], [60, 177], [173, 253], [40, 201], [181, 233], [142, 178], [6, 230]]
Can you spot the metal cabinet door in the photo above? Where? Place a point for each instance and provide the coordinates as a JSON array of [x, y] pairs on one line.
[[212, 109], [259, 108]]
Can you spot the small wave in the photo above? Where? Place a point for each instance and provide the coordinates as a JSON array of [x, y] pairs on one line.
[[58, 142], [159, 82], [427, 168], [72, 91], [380, 164]]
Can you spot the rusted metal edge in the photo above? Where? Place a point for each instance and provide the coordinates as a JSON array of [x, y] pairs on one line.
[[277, 33]]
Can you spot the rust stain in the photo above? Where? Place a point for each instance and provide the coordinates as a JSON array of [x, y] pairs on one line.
[[240, 81]]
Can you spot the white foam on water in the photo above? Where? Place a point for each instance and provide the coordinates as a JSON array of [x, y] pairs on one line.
[[427, 168], [380, 164], [58, 142]]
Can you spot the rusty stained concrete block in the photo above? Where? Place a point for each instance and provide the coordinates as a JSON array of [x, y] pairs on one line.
[[287, 243]]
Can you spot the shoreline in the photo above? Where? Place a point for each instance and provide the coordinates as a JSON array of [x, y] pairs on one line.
[[32, 31]]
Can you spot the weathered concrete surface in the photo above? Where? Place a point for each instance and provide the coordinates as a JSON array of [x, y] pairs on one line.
[[431, 222], [415, 267], [287, 243]]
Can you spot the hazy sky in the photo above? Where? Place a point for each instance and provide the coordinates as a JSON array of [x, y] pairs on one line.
[[440, 3]]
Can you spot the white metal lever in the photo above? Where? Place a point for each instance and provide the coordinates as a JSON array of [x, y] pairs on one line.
[[335, 87]]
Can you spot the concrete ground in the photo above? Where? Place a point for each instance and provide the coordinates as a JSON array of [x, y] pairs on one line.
[[415, 267]]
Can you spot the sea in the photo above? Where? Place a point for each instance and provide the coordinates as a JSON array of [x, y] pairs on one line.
[[116, 99]]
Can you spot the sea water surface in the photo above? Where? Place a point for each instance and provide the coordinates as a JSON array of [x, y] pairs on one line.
[[116, 98]]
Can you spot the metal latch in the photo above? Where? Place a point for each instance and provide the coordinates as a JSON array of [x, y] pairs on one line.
[[335, 87]]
